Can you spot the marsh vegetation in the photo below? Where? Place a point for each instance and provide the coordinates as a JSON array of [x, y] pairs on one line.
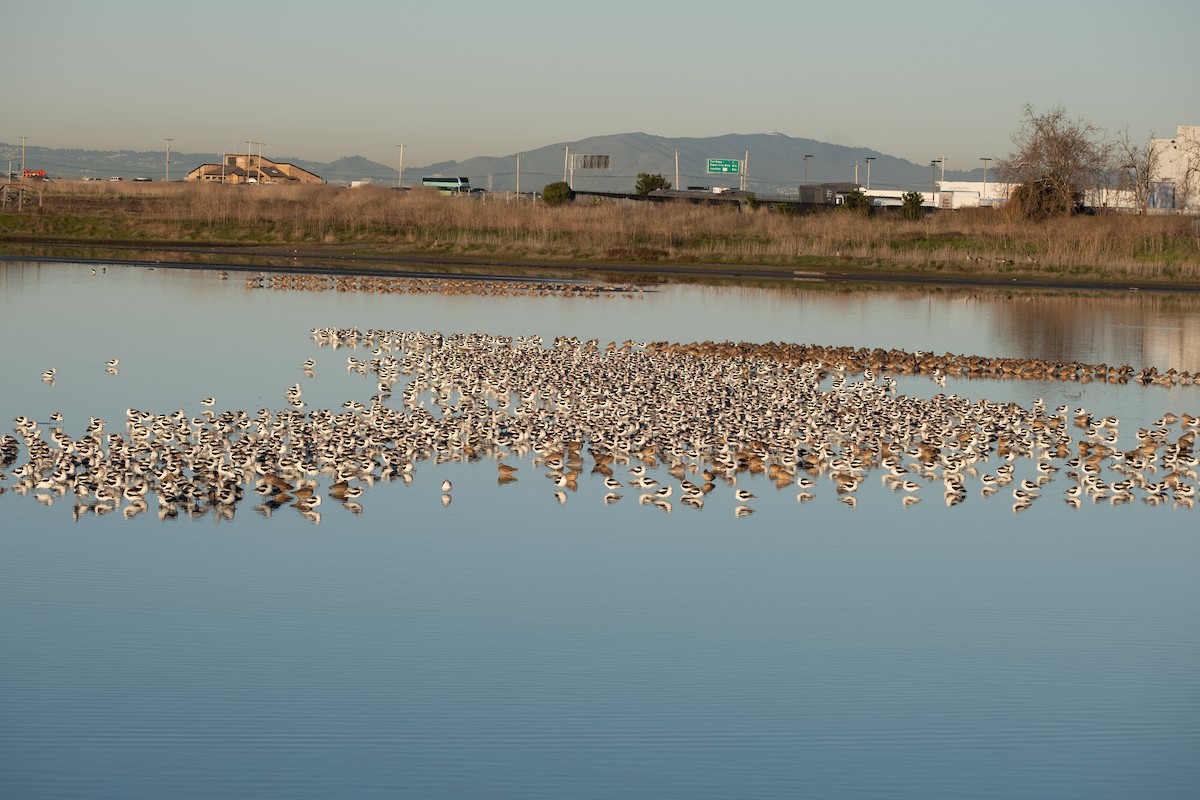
[[969, 242]]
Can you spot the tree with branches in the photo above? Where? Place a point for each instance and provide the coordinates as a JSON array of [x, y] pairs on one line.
[[1055, 162], [1185, 154], [1138, 167]]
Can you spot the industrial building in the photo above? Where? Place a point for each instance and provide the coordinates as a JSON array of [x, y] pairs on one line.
[[1178, 170]]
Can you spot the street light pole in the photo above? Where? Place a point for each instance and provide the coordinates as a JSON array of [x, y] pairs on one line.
[[400, 172], [933, 173], [168, 172], [985, 163], [806, 158], [869, 160], [518, 156]]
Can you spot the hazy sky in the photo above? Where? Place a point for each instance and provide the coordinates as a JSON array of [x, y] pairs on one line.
[[452, 79]]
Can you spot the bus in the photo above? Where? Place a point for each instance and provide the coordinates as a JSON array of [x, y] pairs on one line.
[[448, 185]]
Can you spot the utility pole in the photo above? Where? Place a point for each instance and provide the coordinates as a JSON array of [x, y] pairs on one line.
[[677, 168], [943, 161], [167, 177], [23, 138], [400, 172], [260, 144], [745, 170], [869, 159], [566, 158], [855, 165], [518, 157], [985, 163], [247, 178]]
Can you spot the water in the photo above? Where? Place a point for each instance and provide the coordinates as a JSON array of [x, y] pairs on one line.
[[511, 646]]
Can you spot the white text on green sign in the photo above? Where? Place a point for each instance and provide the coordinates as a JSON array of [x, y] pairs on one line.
[[726, 165]]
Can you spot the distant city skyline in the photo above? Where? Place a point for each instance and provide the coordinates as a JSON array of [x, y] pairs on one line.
[[452, 81]]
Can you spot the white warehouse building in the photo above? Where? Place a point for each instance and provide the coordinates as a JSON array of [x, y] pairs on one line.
[[1177, 180], [1174, 183]]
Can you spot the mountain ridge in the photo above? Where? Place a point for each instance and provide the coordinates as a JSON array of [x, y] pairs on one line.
[[776, 164]]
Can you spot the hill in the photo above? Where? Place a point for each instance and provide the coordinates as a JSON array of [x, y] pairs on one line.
[[776, 164]]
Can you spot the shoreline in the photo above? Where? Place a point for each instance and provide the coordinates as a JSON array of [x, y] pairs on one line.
[[335, 260]]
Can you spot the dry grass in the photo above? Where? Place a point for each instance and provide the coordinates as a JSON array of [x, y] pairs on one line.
[[966, 241]]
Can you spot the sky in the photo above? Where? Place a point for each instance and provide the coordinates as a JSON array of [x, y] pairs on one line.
[[453, 79]]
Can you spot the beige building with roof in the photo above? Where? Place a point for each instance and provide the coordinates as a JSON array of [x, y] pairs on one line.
[[250, 168]]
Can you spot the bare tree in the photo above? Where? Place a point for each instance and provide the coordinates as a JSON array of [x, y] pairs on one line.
[[1187, 182], [1138, 167], [1055, 162]]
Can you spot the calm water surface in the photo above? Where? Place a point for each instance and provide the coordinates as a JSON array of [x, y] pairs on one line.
[[508, 645]]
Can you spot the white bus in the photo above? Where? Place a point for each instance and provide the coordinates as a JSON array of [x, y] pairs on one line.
[[448, 185]]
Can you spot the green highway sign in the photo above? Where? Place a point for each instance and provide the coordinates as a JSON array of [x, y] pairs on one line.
[[727, 165]]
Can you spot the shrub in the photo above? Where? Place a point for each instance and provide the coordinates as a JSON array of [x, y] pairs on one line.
[[555, 194], [858, 201], [910, 205], [1044, 198], [647, 183]]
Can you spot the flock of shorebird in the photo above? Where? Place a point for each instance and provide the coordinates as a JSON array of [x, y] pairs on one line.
[[667, 422], [382, 284]]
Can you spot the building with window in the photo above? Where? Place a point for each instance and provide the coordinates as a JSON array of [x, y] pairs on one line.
[[249, 168], [1176, 184]]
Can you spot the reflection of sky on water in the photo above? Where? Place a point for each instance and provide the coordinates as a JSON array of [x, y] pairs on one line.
[[533, 649], [182, 335], [185, 334]]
